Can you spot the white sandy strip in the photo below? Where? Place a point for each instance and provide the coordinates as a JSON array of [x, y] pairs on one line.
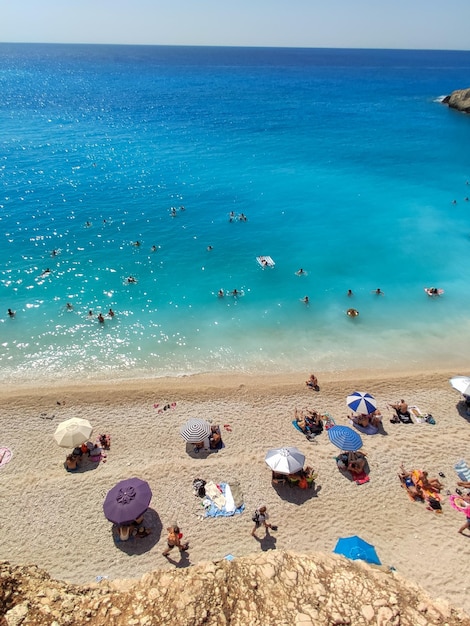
[[55, 519]]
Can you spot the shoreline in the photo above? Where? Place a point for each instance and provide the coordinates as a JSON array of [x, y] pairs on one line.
[[64, 511], [209, 382]]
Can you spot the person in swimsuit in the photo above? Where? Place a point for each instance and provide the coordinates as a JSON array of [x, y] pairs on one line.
[[174, 540]]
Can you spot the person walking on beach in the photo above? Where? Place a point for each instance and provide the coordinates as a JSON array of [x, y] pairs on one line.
[[260, 518], [174, 540]]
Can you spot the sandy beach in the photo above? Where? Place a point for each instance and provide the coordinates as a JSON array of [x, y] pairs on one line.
[[55, 519]]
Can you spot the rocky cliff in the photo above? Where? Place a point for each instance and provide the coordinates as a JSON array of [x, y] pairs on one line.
[[459, 99], [266, 589]]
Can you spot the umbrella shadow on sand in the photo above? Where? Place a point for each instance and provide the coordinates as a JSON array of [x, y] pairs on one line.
[[140, 545], [86, 465], [296, 495], [462, 409], [194, 453]]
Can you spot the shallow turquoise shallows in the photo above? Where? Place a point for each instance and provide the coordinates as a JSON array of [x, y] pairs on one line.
[[344, 162]]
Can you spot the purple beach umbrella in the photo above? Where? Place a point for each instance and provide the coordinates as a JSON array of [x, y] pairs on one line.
[[127, 501]]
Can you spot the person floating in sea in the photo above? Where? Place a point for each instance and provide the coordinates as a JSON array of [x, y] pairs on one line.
[[221, 293], [131, 279], [11, 313], [378, 292], [242, 217], [209, 248], [111, 313], [100, 318], [136, 244], [305, 300], [46, 272], [69, 306], [231, 216], [350, 293], [300, 272], [235, 293]]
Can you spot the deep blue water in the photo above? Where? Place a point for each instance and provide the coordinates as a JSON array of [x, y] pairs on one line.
[[344, 162]]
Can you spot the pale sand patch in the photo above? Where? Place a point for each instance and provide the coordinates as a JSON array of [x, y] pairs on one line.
[[55, 519]]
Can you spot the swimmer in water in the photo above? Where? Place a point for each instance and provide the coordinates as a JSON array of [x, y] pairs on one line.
[[235, 293], [300, 272], [378, 292], [46, 272], [11, 313], [350, 293], [111, 313], [221, 293], [100, 318], [131, 279], [305, 300], [69, 306]]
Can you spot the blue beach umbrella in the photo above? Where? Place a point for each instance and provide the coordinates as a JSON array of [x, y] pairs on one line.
[[361, 402], [345, 438], [356, 548]]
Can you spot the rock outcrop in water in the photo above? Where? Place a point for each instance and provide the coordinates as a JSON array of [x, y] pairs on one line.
[[266, 589], [459, 99]]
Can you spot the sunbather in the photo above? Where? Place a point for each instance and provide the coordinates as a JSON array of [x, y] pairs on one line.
[[215, 438], [72, 463], [406, 478], [401, 409], [309, 421], [353, 462]]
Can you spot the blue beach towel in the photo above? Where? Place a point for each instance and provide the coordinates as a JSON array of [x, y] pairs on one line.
[[213, 511]]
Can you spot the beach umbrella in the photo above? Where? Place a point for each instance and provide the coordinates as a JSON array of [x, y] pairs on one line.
[[195, 430], [127, 501], [356, 548], [285, 460], [73, 432], [459, 504], [361, 402], [461, 383], [345, 438]]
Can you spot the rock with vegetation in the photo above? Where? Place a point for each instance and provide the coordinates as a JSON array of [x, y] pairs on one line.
[[265, 589]]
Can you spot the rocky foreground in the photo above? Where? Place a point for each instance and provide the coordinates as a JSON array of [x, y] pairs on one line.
[[459, 99], [266, 589]]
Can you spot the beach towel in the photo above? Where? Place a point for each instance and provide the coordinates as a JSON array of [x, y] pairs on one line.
[[361, 478], [5, 456], [462, 469], [236, 493], [214, 494], [370, 429], [228, 509]]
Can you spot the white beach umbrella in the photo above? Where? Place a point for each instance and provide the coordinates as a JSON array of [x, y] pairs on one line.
[[285, 460], [462, 384], [73, 432]]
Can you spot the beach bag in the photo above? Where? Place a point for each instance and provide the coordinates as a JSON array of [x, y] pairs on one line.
[[429, 418], [199, 487]]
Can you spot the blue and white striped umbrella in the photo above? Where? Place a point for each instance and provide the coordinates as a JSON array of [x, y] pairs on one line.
[[345, 438], [361, 402]]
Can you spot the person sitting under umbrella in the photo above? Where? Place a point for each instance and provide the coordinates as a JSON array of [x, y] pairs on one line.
[[72, 463], [353, 462]]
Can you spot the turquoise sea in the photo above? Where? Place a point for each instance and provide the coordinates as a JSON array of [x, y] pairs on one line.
[[344, 162]]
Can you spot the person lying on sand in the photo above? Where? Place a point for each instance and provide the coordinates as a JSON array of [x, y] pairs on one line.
[[373, 419]]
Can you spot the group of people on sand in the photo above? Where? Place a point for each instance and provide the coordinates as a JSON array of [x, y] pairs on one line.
[[309, 422], [134, 529], [213, 442], [303, 479], [93, 450]]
